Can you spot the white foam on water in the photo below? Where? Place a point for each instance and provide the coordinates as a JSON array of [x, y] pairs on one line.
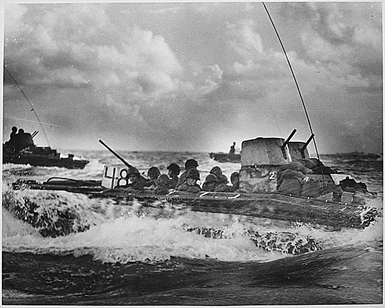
[[371, 234], [12, 227], [133, 238], [136, 233], [146, 239], [15, 167]]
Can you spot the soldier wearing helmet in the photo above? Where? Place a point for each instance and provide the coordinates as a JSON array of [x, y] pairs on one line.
[[173, 173], [221, 178], [234, 178], [136, 181], [189, 164], [224, 187], [162, 184], [190, 185], [153, 173], [210, 183]]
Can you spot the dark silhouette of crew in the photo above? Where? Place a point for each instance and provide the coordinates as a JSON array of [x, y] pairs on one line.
[[10, 145], [13, 135], [22, 140], [232, 149]]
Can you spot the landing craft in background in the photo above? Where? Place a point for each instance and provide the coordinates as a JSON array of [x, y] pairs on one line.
[[20, 149], [230, 157], [225, 157]]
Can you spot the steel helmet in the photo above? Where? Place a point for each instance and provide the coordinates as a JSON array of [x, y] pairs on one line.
[[233, 176], [210, 178], [174, 168], [216, 170], [153, 171], [191, 163], [133, 170], [193, 174]]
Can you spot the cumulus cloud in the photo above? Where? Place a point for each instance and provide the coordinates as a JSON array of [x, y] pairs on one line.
[[347, 34], [12, 22], [259, 70], [64, 51], [163, 74], [203, 80]]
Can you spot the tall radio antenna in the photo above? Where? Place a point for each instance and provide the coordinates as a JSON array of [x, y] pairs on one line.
[[295, 79], [32, 107]]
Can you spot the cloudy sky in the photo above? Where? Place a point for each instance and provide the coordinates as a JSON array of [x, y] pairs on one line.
[[194, 76]]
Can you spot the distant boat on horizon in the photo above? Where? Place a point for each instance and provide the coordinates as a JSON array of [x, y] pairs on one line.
[[25, 152]]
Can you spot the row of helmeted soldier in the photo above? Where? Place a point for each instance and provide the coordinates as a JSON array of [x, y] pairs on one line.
[[187, 181], [291, 180], [19, 140]]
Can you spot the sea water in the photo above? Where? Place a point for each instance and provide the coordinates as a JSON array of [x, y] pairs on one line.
[[129, 255]]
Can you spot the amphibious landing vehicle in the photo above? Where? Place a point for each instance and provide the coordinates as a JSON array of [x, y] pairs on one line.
[[277, 180], [43, 156]]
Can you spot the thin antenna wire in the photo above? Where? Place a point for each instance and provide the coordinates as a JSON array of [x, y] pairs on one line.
[[295, 79], [33, 108]]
